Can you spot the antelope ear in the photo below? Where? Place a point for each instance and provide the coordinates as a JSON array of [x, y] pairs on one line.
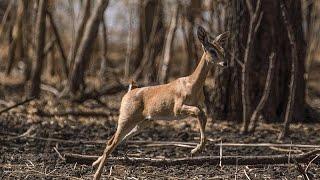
[[202, 35], [222, 38]]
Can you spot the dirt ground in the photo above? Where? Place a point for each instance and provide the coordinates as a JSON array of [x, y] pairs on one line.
[[26, 151]]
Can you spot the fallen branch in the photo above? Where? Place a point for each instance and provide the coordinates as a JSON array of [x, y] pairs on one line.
[[16, 105], [95, 95], [169, 143], [212, 160], [269, 145], [75, 113]]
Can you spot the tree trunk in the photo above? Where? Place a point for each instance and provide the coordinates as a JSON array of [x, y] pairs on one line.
[[76, 79], [59, 43], [163, 72], [151, 34], [192, 14], [225, 96], [104, 48], [17, 38], [40, 40], [80, 31]]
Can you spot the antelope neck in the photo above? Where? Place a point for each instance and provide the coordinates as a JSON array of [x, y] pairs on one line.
[[199, 75]]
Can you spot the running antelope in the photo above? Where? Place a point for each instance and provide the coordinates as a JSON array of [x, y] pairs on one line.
[[176, 100]]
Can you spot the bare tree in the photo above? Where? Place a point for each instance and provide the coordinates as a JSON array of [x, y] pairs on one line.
[[293, 77], [225, 96], [168, 46], [154, 29], [76, 79], [255, 19], [151, 39], [40, 42]]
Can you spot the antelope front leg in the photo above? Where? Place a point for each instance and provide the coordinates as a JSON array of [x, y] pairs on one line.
[[202, 120]]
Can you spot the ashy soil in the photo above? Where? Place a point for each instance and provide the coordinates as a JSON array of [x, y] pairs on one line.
[[28, 150], [31, 158]]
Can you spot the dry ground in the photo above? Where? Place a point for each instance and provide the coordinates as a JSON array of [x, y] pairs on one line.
[[33, 158], [30, 158]]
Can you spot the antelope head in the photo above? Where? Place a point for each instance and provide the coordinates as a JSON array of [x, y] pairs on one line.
[[213, 50]]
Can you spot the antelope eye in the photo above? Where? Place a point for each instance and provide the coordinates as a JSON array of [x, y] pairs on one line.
[[213, 52]]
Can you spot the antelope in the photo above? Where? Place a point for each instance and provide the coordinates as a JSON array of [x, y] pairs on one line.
[[176, 100]]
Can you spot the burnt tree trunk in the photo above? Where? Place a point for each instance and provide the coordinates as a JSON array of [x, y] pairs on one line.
[[76, 80], [151, 32], [40, 42], [225, 97]]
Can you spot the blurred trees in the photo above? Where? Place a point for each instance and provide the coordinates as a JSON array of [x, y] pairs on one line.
[[271, 36], [82, 57], [151, 39]]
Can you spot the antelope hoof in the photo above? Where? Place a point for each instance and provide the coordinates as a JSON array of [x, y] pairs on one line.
[[97, 162], [197, 149]]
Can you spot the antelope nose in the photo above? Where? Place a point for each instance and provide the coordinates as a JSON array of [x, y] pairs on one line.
[[223, 64]]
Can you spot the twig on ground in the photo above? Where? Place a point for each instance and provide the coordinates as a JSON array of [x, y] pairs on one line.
[[308, 166], [245, 173], [59, 155], [301, 170], [285, 150], [270, 145]]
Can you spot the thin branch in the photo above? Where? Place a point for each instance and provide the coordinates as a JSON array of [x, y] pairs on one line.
[[265, 95], [250, 9], [60, 156], [308, 166], [245, 173]]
